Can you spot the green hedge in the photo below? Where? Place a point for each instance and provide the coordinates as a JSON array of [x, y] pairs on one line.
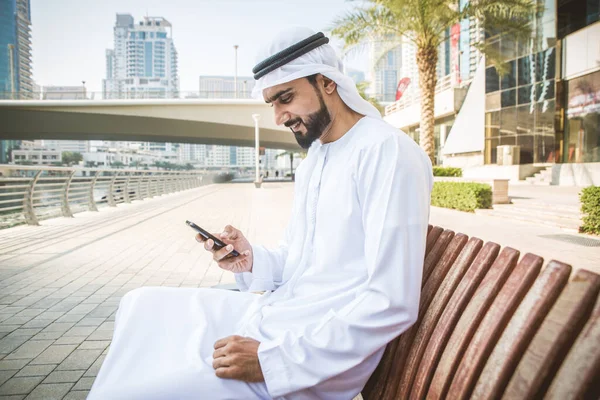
[[464, 196], [590, 205], [447, 171]]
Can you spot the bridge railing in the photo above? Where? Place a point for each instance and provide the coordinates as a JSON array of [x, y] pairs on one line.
[[29, 194]]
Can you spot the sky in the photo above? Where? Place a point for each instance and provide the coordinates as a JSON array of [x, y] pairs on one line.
[[70, 37]]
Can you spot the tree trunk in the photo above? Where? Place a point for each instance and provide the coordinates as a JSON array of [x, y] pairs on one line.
[[427, 61]]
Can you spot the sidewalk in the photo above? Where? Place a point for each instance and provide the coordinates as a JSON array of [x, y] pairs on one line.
[[523, 236]]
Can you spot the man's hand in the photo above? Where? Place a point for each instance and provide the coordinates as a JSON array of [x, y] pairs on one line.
[[235, 239], [236, 357]]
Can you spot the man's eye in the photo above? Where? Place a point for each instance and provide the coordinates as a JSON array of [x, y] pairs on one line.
[[285, 100]]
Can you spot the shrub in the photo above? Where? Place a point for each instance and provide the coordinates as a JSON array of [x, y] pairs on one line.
[[447, 171], [464, 196], [223, 177], [590, 205]]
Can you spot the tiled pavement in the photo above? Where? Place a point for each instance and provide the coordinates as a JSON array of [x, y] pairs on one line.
[[61, 282]]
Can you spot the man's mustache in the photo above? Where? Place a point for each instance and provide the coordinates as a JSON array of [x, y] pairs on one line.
[[292, 122]]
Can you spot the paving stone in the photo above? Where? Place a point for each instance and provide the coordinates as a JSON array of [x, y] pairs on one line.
[[51, 391], [22, 385], [77, 395], [91, 321], [10, 299], [64, 376], [6, 365], [83, 309], [101, 335], [36, 370], [54, 354], [46, 303], [48, 335], [15, 397], [84, 383], [29, 350], [59, 327], [108, 325], [70, 339], [29, 332], [38, 323], [51, 315], [94, 345], [10, 344], [79, 359], [8, 328], [80, 331], [17, 320], [6, 375], [71, 318], [95, 368], [30, 312], [102, 312]]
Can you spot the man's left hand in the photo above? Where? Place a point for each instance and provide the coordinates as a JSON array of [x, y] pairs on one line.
[[236, 357]]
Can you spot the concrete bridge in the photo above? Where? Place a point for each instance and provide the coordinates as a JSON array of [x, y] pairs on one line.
[[202, 121]]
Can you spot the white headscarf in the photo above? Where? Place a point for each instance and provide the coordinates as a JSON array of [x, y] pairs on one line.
[[321, 60]]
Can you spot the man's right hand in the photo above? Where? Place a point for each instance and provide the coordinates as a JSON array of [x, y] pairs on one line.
[[234, 240]]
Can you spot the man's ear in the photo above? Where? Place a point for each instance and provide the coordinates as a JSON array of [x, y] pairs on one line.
[[328, 85]]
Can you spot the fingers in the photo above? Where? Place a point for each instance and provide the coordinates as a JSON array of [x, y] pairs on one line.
[[218, 255], [229, 372], [222, 362], [230, 233], [223, 342]]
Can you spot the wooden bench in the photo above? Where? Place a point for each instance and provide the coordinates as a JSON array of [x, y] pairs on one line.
[[493, 326]]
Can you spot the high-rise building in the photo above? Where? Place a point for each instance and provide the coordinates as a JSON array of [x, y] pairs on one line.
[[15, 50], [223, 87], [143, 63], [386, 68], [75, 146], [15, 59]]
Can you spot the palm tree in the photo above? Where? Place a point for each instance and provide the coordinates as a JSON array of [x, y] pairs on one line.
[[426, 23]]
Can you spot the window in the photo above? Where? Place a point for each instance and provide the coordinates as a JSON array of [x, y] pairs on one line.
[[492, 80], [509, 80]]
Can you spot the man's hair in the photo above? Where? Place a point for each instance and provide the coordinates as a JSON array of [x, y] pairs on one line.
[[313, 79]]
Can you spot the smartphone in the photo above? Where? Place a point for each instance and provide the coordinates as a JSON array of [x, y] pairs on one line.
[[205, 235]]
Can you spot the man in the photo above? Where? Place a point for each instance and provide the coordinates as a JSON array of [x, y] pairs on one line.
[[344, 282]]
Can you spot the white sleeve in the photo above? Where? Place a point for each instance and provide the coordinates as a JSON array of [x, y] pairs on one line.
[[394, 187], [267, 266]]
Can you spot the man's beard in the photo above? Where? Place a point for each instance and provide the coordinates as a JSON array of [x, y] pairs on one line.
[[315, 124]]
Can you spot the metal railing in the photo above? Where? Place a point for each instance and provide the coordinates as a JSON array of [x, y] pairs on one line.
[[412, 98], [29, 194], [125, 95]]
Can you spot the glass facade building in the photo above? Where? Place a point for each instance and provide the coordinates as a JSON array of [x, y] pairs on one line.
[[535, 107]]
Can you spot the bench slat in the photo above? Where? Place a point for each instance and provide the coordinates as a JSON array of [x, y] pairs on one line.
[[520, 330], [377, 382], [579, 375], [432, 237], [440, 250], [492, 325], [426, 323], [469, 321], [428, 293], [435, 255], [554, 338], [450, 315]]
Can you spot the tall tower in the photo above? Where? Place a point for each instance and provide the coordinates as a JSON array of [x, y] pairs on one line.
[[143, 63]]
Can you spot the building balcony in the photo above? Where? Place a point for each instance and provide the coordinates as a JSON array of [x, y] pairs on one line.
[[407, 111]]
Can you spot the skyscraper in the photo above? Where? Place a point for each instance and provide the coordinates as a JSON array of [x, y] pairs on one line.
[[15, 59], [15, 49], [143, 63]]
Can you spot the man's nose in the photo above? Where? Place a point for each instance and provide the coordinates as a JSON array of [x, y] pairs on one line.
[[281, 116]]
